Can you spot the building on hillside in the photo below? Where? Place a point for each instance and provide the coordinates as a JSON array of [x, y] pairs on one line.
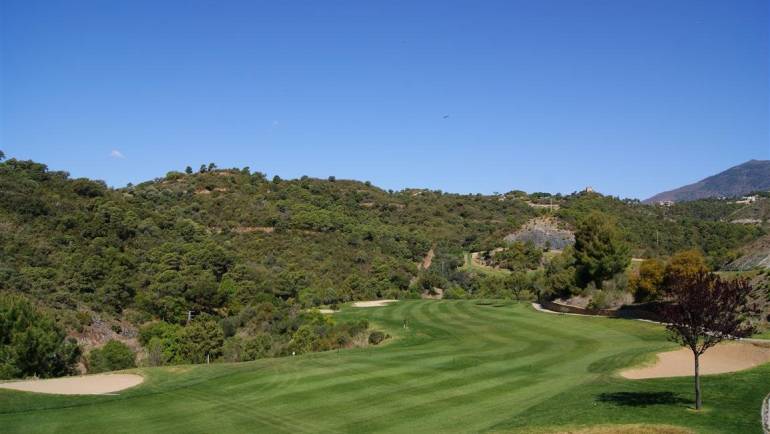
[[589, 189], [747, 200], [666, 203]]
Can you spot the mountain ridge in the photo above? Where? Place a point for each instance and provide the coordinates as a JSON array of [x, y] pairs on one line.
[[751, 176]]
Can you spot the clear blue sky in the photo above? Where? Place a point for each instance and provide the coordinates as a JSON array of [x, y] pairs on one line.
[[629, 96]]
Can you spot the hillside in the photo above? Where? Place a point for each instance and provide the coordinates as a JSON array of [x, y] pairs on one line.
[[753, 255], [247, 257], [751, 176], [757, 212], [543, 232]]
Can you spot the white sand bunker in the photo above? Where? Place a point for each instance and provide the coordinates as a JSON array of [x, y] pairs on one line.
[[373, 303], [725, 357], [86, 385]]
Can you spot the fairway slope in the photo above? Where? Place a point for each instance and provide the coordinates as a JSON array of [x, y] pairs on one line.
[[457, 367]]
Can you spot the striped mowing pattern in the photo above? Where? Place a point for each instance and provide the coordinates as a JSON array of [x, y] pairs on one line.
[[460, 366]]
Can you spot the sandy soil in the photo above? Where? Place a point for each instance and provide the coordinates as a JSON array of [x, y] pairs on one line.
[[725, 357], [478, 262], [86, 385], [438, 294], [327, 311], [428, 260], [373, 303]]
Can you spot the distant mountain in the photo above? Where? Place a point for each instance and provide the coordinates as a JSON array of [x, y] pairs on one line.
[[753, 175]]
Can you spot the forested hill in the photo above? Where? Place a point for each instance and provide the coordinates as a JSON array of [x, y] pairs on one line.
[[220, 239]]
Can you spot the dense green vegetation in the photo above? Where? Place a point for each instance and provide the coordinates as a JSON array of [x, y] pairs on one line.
[[31, 343], [461, 366], [225, 263], [113, 356], [653, 230], [600, 252]]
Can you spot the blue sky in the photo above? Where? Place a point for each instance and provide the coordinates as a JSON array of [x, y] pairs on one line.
[[629, 96]]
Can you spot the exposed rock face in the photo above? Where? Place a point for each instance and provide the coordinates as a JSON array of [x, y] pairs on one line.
[[755, 255], [544, 232]]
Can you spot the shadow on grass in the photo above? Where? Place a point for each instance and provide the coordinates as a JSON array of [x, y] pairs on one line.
[[641, 399]]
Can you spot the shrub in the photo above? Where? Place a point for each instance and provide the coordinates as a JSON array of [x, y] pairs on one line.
[[230, 325], [201, 341], [376, 337], [455, 293], [113, 356], [257, 347], [232, 350]]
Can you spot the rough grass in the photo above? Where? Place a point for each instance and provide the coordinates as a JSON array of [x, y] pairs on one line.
[[472, 267], [461, 366]]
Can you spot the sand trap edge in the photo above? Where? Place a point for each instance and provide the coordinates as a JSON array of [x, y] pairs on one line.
[[98, 384], [373, 303]]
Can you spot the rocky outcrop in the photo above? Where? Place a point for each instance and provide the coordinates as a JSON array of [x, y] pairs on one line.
[[754, 255], [544, 232]]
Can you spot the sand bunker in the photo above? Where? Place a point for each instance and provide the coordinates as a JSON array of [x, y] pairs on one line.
[[86, 385], [373, 303], [327, 311], [725, 357]]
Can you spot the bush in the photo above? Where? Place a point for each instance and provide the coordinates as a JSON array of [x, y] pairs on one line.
[[376, 337], [257, 347], [113, 356], [232, 350], [201, 341], [455, 293]]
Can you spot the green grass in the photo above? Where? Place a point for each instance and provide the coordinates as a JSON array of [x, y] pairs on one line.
[[462, 366]]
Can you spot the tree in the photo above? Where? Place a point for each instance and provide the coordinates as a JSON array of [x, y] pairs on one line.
[[560, 274], [212, 167], [201, 341], [2, 155], [31, 343], [188, 170], [202, 169], [600, 252], [684, 264], [303, 340], [704, 310], [113, 356], [650, 280]]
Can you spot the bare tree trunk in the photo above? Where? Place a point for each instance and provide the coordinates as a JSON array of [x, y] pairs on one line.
[[697, 381]]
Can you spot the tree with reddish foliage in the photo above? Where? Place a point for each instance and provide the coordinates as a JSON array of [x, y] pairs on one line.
[[704, 310]]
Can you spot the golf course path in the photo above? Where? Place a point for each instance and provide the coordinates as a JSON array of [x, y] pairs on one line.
[[766, 415]]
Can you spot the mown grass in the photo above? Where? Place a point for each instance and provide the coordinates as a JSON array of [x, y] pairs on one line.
[[461, 366]]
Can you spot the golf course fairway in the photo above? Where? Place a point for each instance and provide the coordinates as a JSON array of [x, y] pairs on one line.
[[458, 366]]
